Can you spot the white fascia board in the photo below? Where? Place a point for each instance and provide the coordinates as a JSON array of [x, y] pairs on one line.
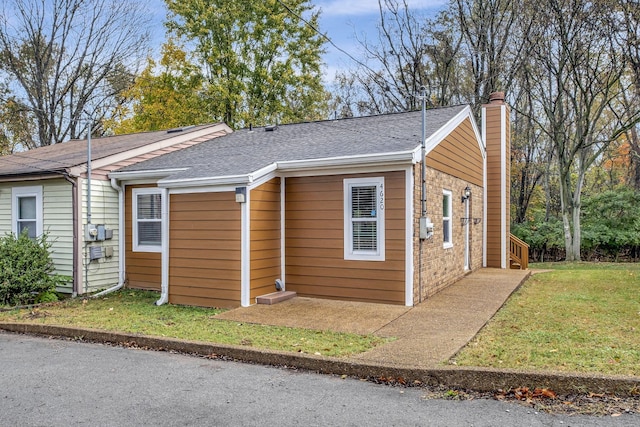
[[438, 136], [255, 178], [207, 181], [332, 162], [144, 174], [179, 138]]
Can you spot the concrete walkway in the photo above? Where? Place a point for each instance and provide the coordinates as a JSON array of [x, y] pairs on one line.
[[426, 335]]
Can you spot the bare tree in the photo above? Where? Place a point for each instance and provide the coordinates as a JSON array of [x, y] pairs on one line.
[[578, 82], [494, 38], [64, 60], [409, 52]]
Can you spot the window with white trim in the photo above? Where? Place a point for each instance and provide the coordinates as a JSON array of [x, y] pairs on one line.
[[26, 210], [447, 223], [364, 219], [147, 219]]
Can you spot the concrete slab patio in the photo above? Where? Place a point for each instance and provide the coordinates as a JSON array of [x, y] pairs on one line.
[[425, 335]]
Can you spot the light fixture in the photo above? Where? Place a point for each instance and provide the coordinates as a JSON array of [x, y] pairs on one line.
[[466, 194]]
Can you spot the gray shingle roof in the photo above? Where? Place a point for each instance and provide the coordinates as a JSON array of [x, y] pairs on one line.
[[59, 157], [243, 152]]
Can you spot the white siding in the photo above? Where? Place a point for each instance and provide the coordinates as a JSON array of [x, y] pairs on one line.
[[103, 272]]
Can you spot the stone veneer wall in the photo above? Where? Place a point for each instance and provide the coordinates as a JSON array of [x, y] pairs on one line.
[[441, 267]]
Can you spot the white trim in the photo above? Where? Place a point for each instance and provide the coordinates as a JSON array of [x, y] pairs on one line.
[[135, 247], [150, 175], [438, 136], [329, 162], [503, 187], [484, 190], [20, 192], [207, 189], [408, 237], [164, 257], [467, 225], [345, 170], [238, 180], [283, 259], [268, 176], [245, 254], [220, 188], [379, 254], [448, 244]]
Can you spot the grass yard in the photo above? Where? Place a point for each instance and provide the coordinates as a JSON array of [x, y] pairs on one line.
[[581, 317], [133, 311]]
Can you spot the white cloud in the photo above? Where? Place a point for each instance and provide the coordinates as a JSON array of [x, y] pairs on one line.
[[366, 7]]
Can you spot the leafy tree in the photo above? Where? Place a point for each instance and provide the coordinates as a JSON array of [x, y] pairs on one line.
[[261, 62], [577, 73], [612, 222], [171, 98], [65, 59]]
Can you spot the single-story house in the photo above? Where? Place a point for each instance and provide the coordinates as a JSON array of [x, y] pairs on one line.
[[360, 209], [46, 190]]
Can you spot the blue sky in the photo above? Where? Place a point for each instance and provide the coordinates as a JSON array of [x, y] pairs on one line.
[[341, 20]]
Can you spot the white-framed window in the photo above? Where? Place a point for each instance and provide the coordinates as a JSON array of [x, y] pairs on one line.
[[147, 219], [364, 219], [26, 210], [447, 222]]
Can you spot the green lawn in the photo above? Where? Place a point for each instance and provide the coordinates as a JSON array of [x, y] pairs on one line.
[[581, 317], [133, 311]]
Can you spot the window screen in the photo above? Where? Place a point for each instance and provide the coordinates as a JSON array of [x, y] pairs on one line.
[[148, 220], [364, 219]]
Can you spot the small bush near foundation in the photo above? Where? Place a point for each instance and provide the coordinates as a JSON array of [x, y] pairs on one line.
[[26, 270]]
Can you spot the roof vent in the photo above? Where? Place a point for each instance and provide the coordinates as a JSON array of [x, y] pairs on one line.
[[176, 130], [270, 128]]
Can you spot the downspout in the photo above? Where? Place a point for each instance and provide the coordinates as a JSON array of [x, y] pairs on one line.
[[164, 285], [74, 216], [120, 190]]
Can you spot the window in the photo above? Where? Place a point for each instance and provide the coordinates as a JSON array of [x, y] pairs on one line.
[[27, 210], [147, 219], [446, 219], [364, 219]]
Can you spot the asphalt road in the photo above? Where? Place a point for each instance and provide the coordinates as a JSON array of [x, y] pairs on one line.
[[49, 382]]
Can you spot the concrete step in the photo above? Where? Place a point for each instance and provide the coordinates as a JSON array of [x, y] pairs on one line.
[[275, 297]]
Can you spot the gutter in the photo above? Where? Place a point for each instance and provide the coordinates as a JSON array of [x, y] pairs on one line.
[[121, 280]]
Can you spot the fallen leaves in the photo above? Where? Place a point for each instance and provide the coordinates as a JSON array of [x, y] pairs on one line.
[[526, 394]]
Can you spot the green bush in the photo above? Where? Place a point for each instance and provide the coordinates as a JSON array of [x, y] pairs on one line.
[[26, 270]]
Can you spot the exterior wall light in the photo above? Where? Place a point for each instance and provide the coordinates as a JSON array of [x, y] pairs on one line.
[[466, 194]]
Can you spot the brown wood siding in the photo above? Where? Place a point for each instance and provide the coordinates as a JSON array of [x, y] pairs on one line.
[[495, 202], [265, 238], [314, 236], [459, 155], [142, 269], [204, 250]]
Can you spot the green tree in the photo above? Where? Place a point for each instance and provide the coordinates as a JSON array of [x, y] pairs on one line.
[[171, 98], [261, 61]]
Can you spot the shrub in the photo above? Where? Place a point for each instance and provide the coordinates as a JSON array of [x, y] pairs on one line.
[[26, 270]]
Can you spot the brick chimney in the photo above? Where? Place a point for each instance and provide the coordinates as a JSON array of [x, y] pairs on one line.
[[496, 134]]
